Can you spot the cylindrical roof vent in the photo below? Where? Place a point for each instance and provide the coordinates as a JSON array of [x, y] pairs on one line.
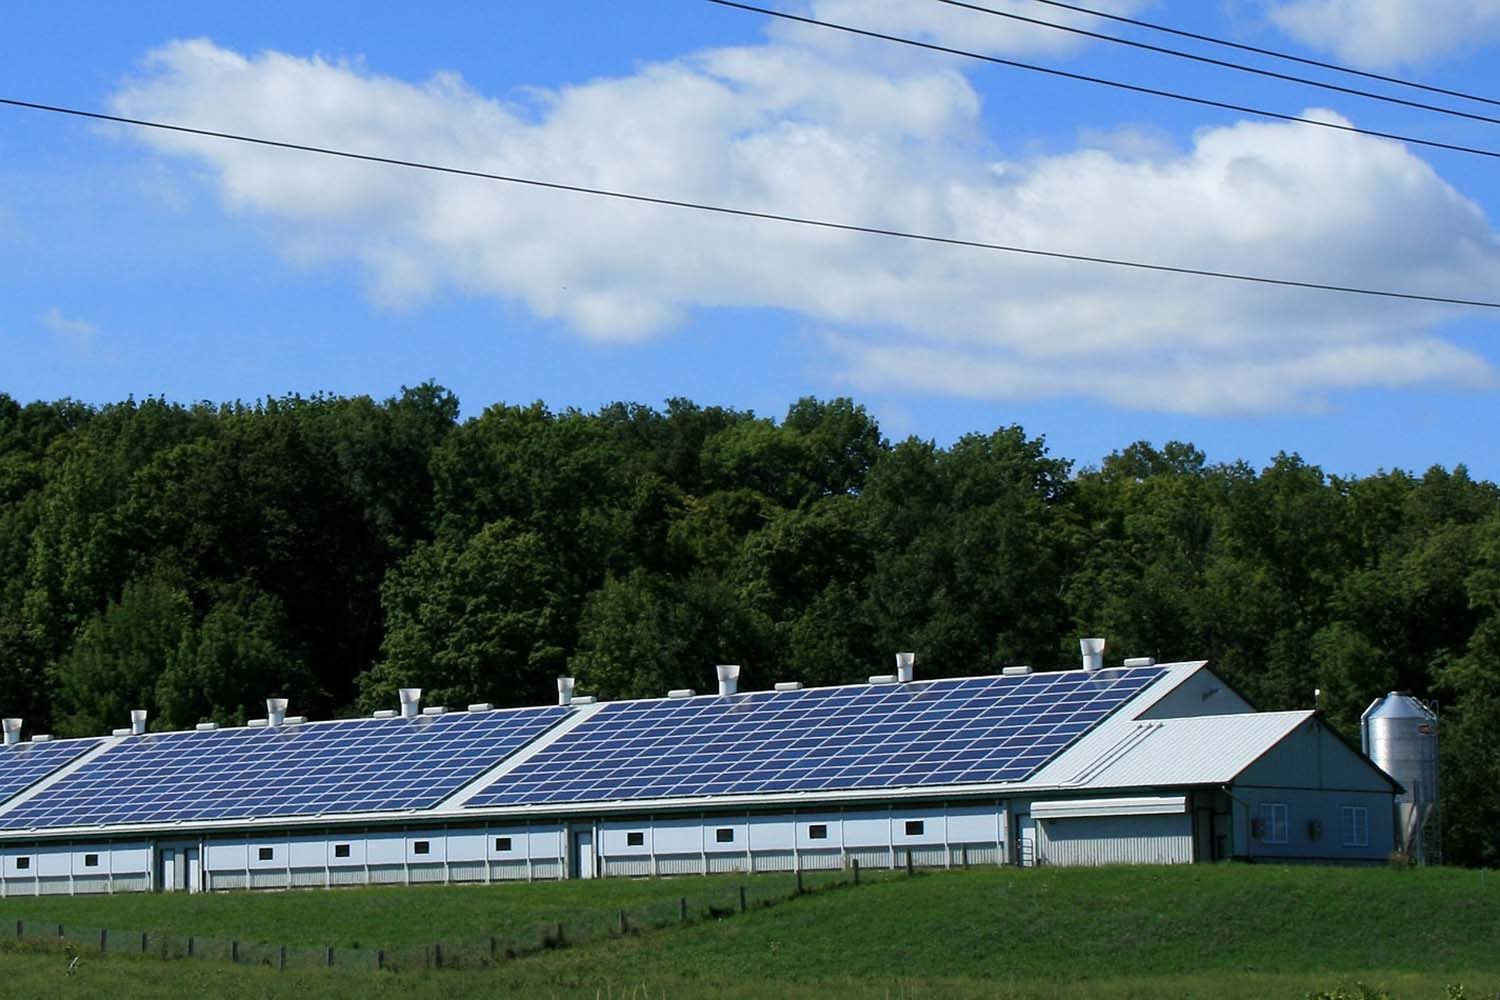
[[137, 721], [1093, 654], [276, 711], [12, 731], [565, 690], [905, 667], [411, 702], [729, 678]]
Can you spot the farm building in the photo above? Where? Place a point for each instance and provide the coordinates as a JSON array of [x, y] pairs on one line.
[[1141, 763]]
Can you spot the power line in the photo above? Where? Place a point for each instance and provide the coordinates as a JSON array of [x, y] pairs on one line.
[[745, 213], [1223, 63], [1106, 82], [1274, 53]]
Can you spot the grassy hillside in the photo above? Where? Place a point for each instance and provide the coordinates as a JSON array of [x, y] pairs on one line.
[[1226, 931]]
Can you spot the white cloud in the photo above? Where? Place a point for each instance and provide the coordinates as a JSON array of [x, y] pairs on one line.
[[799, 130], [1389, 33], [79, 336]]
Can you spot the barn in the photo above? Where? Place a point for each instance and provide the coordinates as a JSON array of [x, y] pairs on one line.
[[1136, 763]]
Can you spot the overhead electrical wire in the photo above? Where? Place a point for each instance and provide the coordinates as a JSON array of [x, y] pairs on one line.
[[1222, 63], [1106, 82], [745, 213], [1273, 53]]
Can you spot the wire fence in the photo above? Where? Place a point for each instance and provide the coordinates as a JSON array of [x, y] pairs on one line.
[[690, 907]]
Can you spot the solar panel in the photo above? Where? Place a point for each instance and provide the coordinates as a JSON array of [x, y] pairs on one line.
[[309, 769], [981, 729], [24, 764]]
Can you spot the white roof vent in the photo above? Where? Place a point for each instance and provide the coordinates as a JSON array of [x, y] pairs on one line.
[[584, 699], [206, 727], [482, 706], [906, 667], [681, 693], [1020, 671], [12, 731], [1093, 654], [384, 713], [294, 720], [729, 678], [257, 723], [42, 738], [883, 679], [137, 721], [411, 702], [1140, 661], [434, 710], [565, 690], [789, 686], [275, 711]]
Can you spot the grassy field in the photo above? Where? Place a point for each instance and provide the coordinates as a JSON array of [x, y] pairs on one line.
[[1224, 931]]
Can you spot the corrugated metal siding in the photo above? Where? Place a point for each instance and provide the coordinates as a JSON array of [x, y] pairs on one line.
[[1115, 840]]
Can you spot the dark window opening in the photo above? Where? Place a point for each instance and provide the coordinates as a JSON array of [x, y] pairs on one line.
[[818, 831], [421, 847], [915, 828], [23, 863], [724, 835], [266, 853], [91, 861], [502, 843], [341, 850], [635, 838]]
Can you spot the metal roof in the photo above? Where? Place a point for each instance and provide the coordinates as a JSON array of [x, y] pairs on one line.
[[1201, 750]]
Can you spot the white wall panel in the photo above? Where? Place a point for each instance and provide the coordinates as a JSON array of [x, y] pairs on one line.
[[385, 848], [467, 846], [772, 833]]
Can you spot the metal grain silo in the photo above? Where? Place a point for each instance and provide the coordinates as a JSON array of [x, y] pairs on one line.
[[1400, 734]]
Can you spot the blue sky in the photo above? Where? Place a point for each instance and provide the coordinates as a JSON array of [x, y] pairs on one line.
[[140, 265]]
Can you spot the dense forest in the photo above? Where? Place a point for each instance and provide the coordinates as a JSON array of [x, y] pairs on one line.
[[192, 560]]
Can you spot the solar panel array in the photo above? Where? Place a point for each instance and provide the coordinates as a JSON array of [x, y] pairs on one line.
[[24, 764], [328, 767], [982, 729]]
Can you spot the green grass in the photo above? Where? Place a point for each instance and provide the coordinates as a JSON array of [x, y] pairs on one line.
[[1222, 931]]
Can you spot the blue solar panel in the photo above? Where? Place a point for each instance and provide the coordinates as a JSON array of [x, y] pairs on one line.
[[981, 729], [24, 764], [298, 770]]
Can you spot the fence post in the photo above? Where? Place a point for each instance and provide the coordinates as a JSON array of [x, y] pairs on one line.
[[60, 930], [799, 881], [682, 908], [143, 942], [281, 958], [622, 922], [559, 934], [855, 864], [103, 940], [380, 959], [234, 950], [494, 949], [742, 899], [18, 930], [909, 869], [966, 855], [437, 954], [190, 946], [328, 956]]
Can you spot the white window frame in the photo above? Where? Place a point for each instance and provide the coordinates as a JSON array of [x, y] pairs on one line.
[[1356, 826], [1275, 823]]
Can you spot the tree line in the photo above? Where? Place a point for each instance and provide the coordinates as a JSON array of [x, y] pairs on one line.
[[192, 560]]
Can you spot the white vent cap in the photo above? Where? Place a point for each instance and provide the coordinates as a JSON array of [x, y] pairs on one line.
[[1020, 671], [1093, 654], [276, 710], [411, 701], [789, 686], [384, 713], [906, 667], [12, 731], [681, 693], [565, 687], [729, 678], [137, 721], [883, 679], [1140, 661]]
